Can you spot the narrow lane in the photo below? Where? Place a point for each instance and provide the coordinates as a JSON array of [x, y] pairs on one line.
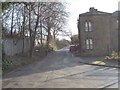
[[61, 70]]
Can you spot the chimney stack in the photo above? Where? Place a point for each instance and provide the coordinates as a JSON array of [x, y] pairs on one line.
[[93, 10]]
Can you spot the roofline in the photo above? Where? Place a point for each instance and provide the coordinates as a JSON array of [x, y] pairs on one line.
[[102, 13]]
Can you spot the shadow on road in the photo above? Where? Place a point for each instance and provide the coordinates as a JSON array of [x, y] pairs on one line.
[[54, 61]]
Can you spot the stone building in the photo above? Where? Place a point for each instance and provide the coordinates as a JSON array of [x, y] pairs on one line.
[[98, 32]]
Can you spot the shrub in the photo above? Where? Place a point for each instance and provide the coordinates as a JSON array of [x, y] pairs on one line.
[[114, 55]]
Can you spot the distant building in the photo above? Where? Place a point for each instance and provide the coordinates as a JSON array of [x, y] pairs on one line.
[[98, 32]]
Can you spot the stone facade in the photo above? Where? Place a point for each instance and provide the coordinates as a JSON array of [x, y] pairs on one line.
[[98, 33]]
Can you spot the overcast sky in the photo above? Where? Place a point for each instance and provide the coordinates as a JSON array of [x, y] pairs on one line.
[[76, 7]]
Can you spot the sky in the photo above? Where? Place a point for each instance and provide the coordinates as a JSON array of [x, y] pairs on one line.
[[76, 7]]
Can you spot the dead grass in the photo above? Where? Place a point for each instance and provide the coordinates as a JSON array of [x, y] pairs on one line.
[[114, 56], [12, 62]]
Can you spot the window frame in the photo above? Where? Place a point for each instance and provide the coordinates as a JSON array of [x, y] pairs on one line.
[[89, 44], [88, 26]]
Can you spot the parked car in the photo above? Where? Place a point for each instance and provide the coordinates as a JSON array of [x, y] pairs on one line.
[[73, 48]]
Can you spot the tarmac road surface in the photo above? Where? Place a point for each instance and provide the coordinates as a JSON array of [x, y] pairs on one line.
[[61, 70]]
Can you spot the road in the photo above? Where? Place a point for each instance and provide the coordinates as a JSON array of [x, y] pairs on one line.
[[61, 70]]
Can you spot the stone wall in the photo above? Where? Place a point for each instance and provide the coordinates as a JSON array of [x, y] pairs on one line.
[[12, 46], [114, 34]]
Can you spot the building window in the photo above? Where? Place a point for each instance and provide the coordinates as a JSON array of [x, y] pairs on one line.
[[117, 21], [89, 44], [88, 26]]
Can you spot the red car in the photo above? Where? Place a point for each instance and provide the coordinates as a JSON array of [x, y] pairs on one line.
[[73, 48]]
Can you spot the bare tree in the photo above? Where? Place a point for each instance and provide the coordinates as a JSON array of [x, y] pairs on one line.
[[36, 19]]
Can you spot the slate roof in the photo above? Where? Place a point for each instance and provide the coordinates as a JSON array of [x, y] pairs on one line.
[[93, 11], [116, 13], [97, 13]]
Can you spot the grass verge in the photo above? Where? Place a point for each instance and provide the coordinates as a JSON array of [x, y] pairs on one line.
[[10, 63]]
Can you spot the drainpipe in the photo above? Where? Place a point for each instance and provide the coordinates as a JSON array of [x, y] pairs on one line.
[[79, 32]]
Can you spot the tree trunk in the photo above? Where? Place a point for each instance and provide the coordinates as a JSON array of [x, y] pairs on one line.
[[23, 28], [11, 31], [35, 30], [48, 30], [33, 34], [41, 39], [31, 49], [48, 36]]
